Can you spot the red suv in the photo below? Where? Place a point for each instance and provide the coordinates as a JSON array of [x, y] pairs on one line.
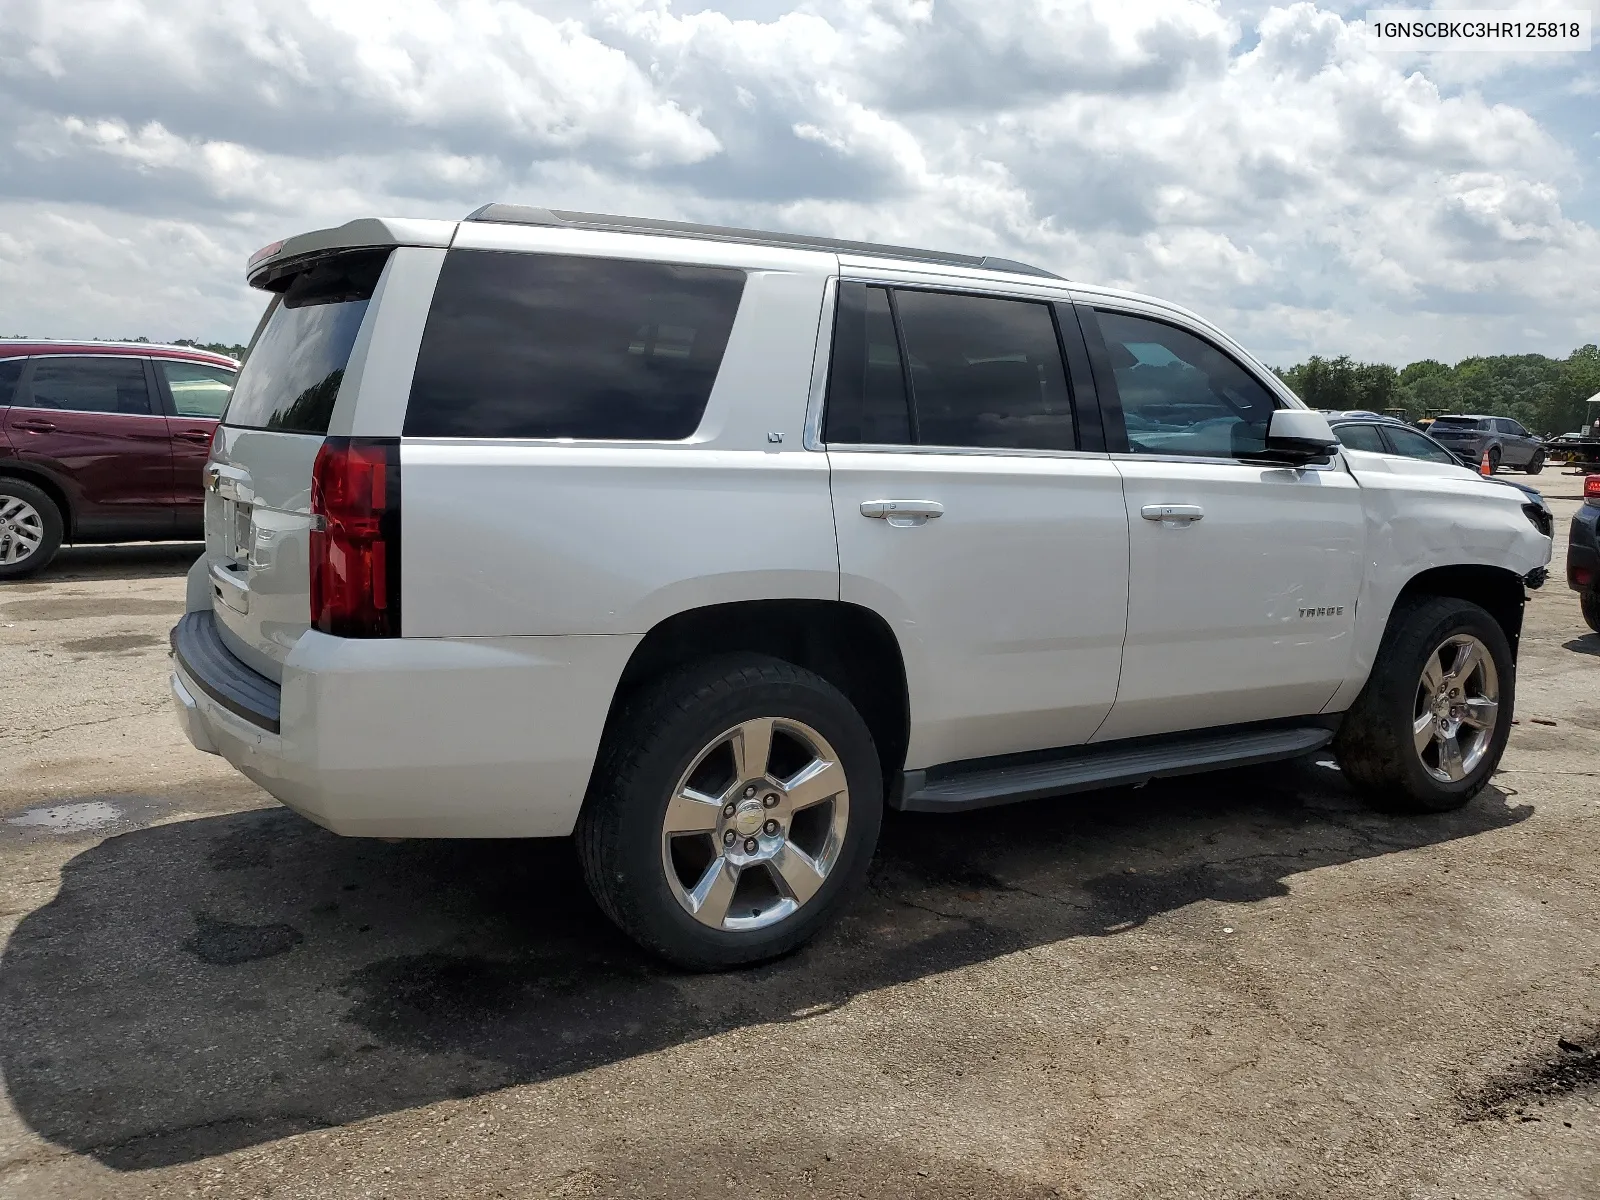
[[103, 442]]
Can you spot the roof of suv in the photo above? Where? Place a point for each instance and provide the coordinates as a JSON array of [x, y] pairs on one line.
[[522, 214], [1359, 414], [272, 263], [21, 347]]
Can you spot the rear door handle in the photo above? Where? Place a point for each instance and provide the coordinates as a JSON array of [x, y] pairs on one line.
[[33, 424], [194, 435], [1172, 512], [902, 513]]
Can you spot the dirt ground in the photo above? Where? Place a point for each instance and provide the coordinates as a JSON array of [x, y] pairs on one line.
[[1245, 985]]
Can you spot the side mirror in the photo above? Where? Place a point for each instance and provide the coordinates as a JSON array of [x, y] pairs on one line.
[[1298, 436]]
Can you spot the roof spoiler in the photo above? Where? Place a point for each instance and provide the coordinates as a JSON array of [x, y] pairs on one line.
[[271, 266]]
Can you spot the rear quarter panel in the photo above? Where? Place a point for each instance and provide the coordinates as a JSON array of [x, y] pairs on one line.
[[536, 536]]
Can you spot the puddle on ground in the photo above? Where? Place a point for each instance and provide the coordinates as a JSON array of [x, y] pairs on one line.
[[107, 606], [112, 642], [69, 818]]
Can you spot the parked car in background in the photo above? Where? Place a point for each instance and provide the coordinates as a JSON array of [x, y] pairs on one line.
[[1505, 441], [1380, 434], [103, 442], [1583, 552]]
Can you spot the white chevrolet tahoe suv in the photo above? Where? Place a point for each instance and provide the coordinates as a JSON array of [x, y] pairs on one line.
[[705, 544]]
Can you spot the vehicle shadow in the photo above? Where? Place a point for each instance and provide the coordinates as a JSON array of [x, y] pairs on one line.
[[130, 560], [205, 985], [1588, 643]]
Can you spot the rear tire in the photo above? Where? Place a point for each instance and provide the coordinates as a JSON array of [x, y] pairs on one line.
[[1393, 745], [30, 528], [1494, 459], [1536, 463], [668, 849], [1590, 601]]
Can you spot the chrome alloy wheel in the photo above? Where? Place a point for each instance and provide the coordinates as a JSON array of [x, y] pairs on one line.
[[1457, 706], [21, 530], [756, 824]]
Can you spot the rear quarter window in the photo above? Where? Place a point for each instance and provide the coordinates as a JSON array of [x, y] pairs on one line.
[[556, 346]]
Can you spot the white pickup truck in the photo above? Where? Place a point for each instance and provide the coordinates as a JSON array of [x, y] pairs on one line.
[[704, 544]]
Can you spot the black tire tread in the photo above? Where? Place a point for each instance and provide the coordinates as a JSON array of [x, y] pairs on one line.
[[643, 721], [1372, 750], [1590, 602]]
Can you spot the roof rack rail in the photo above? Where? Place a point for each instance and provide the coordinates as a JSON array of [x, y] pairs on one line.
[[522, 214]]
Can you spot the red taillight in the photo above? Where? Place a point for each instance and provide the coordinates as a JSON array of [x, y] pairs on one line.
[[1591, 487], [355, 538]]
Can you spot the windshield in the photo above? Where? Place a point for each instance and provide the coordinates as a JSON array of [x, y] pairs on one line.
[[293, 369]]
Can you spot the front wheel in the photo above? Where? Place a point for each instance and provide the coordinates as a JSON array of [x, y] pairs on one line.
[[1536, 463], [1431, 724], [734, 809]]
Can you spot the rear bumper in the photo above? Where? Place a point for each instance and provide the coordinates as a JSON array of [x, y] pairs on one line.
[[416, 737]]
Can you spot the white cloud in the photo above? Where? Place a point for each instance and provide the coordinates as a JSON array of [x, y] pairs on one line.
[[1309, 193]]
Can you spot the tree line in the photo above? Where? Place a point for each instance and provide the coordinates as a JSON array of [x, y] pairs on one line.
[[1546, 394]]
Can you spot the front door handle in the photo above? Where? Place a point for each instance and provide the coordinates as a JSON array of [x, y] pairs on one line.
[[902, 513], [1186, 513], [34, 426]]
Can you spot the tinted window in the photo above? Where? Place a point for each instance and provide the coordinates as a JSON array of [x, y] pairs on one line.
[[1181, 395], [1449, 424], [985, 372], [197, 390], [102, 385], [1414, 445], [10, 372], [1361, 437], [549, 346], [866, 384], [294, 367]]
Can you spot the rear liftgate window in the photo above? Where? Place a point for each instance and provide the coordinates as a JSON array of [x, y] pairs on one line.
[[550, 346], [293, 369]]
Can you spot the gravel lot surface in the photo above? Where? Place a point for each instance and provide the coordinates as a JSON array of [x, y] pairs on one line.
[[1245, 985]]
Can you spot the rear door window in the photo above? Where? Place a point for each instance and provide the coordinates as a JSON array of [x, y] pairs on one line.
[[1361, 437], [198, 389], [89, 384], [297, 361], [557, 346], [984, 372]]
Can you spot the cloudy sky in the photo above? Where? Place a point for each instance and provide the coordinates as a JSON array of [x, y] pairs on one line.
[[1262, 164]]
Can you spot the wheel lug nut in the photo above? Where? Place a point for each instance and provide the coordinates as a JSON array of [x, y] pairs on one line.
[[727, 810], [751, 845], [770, 799], [727, 838], [750, 791], [771, 827]]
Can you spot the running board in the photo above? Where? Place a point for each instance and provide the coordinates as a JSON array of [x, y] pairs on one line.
[[981, 783]]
